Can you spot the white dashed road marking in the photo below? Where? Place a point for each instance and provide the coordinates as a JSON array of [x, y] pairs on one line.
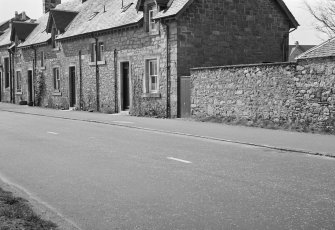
[[123, 122], [53, 133], [180, 160]]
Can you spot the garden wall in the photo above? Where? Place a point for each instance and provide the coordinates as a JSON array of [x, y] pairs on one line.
[[288, 95]]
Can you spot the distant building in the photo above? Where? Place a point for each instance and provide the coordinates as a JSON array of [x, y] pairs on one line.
[[297, 49]]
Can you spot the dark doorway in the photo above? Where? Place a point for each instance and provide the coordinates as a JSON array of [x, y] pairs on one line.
[[125, 86], [72, 86], [185, 96], [30, 87]]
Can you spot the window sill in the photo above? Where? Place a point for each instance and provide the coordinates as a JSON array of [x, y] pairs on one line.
[[56, 93], [99, 63], [18, 93], [56, 49], [151, 95], [154, 32]]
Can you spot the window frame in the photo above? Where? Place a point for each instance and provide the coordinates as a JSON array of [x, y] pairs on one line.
[[148, 83], [152, 26], [54, 34], [56, 79], [93, 52], [42, 59], [6, 72], [18, 81]]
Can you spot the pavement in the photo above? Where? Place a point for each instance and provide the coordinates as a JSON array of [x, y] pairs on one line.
[[314, 144], [120, 173]]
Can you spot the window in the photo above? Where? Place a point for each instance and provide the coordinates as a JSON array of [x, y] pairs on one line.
[[18, 82], [151, 22], [6, 63], [56, 79], [151, 80], [100, 54], [93, 16], [42, 59], [54, 33]]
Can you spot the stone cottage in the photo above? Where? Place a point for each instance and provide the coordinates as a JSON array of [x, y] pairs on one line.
[[128, 55], [6, 57]]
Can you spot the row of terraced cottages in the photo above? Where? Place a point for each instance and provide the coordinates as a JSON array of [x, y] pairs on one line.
[[129, 55]]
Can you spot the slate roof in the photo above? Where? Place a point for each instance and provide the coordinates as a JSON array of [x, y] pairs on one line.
[[296, 50], [22, 30], [5, 38], [39, 35], [99, 15], [175, 7], [114, 16], [140, 4], [61, 18], [326, 49]]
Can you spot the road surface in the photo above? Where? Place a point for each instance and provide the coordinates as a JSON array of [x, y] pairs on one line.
[[107, 177]]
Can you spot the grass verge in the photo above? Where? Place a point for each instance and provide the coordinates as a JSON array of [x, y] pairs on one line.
[[16, 213]]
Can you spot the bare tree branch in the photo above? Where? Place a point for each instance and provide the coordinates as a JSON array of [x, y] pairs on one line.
[[324, 13]]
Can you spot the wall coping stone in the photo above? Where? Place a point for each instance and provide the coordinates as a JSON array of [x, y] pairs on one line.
[[244, 65]]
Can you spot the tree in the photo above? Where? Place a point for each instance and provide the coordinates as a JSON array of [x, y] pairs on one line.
[[324, 13]]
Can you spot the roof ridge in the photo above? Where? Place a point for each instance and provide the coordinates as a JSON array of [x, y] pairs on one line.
[[20, 22], [70, 11]]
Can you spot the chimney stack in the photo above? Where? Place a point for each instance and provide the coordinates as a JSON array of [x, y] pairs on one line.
[[16, 15], [50, 4], [24, 16]]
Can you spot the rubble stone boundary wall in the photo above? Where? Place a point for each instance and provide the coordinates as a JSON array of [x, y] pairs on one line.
[[299, 95]]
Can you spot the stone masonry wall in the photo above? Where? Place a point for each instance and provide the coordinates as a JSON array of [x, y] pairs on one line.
[[132, 45], [5, 92], [226, 32], [286, 95]]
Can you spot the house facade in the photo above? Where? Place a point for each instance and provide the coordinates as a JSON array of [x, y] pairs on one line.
[[114, 56], [6, 57]]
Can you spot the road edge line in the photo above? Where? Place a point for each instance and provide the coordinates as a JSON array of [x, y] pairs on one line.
[[183, 134], [35, 200]]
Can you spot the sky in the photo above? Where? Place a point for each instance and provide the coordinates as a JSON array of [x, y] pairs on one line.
[[305, 34]]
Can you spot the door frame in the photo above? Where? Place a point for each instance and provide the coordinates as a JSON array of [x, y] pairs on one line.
[[32, 98], [71, 86], [120, 81]]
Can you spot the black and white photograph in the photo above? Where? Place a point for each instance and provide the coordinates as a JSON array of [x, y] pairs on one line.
[[167, 114]]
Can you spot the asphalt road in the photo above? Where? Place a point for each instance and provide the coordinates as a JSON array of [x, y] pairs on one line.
[[108, 177]]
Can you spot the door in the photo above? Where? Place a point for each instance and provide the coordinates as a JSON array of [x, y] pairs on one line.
[[72, 86], [30, 87], [125, 103], [185, 97]]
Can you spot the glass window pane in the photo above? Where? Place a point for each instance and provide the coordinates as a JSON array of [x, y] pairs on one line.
[[153, 82]]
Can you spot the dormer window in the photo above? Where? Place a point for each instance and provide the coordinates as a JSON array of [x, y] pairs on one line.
[[42, 58], [151, 24]]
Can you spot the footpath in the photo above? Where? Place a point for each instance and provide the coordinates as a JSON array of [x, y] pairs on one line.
[[314, 144]]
